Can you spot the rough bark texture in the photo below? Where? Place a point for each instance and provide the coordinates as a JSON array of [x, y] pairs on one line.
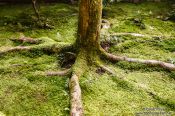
[[88, 43], [89, 24]]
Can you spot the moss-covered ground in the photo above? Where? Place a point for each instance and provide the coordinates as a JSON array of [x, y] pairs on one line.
[[25, 91]]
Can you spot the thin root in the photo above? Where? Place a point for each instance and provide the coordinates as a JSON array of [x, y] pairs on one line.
[[105, 69], [26, 40], [59, 73]]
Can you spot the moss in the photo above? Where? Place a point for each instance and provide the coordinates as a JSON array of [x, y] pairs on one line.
[[168, 44], [25, 91]]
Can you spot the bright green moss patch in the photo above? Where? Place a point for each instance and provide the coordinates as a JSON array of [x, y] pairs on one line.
[[25, 91], [127, 92]]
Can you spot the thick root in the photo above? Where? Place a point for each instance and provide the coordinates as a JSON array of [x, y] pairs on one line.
[[75, 93], [78, 69], [51, 47], [164, 65], [59, 73]]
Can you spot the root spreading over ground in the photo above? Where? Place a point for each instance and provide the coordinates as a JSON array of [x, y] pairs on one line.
[[82, 62]]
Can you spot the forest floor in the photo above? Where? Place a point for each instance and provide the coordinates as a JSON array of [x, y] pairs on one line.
[[24, 90]]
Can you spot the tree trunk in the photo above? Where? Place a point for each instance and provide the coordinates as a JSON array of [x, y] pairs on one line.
[[87, 44], [90, 12]]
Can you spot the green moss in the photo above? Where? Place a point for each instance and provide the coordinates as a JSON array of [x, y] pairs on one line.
[[168, 44], [24, 90]]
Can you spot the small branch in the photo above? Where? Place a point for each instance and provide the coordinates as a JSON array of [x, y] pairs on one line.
[[59, 73], [75, 93], [164, 65]]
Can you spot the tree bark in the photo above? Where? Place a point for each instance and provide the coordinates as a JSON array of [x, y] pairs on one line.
[[90, 12], [88, 40]]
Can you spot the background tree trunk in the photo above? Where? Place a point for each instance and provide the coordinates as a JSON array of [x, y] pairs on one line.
[[34, 4]]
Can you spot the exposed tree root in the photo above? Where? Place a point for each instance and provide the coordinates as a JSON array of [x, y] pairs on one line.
[[105, 69], [131, 34], [13, 49], [110, 71], [75, 94], [78, 69], [50, 47], [26, 40], [139, 35], [59, 73], [83, 59], [164, 65]]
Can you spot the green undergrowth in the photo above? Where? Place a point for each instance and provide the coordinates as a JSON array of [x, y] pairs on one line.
[[25, 90]]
